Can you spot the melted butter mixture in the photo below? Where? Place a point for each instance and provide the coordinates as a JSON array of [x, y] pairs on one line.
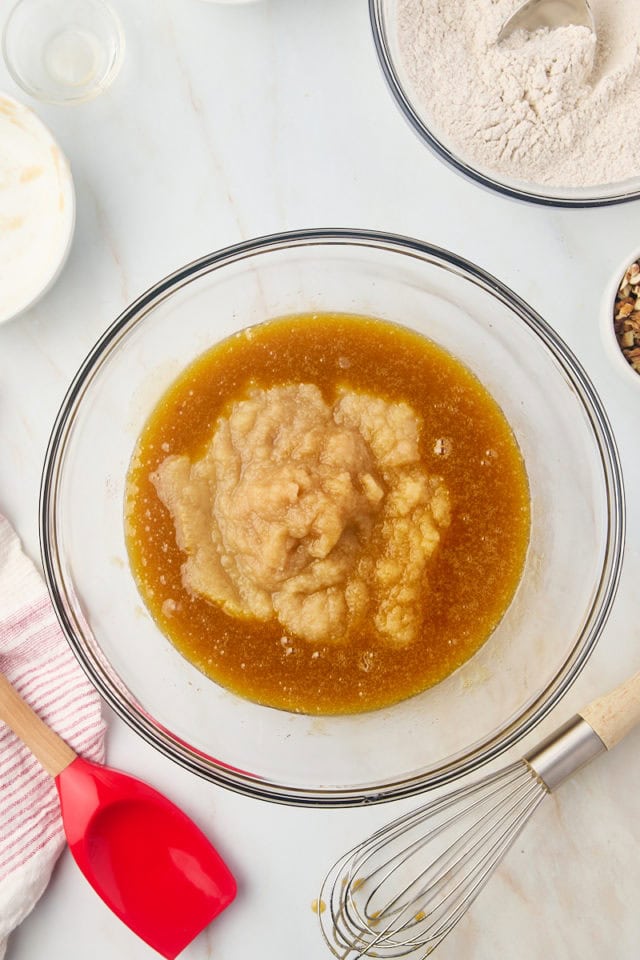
[[465, 440]]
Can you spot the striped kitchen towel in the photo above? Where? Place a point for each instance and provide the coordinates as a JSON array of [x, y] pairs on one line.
[[36, 659]]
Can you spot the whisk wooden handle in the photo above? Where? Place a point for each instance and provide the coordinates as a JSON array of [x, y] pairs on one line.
[[50, 749], [616, 713]]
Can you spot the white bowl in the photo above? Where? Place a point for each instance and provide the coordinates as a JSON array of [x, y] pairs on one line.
[[609, 338], [37, 208]]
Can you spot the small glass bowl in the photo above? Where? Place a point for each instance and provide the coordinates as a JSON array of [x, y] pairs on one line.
[[383, 20], [63, 51], [514, 680]]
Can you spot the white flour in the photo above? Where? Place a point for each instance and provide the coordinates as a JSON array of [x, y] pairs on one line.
[[555, 107]]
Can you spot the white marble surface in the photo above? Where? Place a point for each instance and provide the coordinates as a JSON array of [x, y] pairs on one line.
[[230, 122]]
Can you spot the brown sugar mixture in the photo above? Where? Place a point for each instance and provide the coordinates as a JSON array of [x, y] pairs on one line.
[[327, 513]]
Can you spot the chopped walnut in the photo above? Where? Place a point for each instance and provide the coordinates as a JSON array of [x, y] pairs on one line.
[[626, 316]]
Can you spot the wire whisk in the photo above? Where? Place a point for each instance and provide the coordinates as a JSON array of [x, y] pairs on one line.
[[400, 892]]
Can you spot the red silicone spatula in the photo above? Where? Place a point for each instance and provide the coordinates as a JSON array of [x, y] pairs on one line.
[[147, 860]]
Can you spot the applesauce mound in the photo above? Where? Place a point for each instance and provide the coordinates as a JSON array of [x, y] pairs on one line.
[[310, 513]]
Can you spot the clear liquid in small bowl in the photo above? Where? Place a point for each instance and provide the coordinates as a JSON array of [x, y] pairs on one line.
[[72, 57], [63, 51]]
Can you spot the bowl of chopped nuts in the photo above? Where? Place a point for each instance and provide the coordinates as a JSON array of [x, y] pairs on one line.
[[621, 321]]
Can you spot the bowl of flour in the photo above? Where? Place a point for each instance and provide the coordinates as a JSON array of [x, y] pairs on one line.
[[542, 116], [37, 208]]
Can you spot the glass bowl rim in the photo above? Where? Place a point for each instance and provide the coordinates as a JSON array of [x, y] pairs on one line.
[[253, 785], [386, 61]]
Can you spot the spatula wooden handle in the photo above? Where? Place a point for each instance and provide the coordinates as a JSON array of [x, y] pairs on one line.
[[615, 714], [50, 749]]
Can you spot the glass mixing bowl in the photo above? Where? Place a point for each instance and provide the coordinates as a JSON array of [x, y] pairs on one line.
[[383, 15], [530, 660]]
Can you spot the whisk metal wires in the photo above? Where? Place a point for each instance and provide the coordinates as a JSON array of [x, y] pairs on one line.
[[400, 892]]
